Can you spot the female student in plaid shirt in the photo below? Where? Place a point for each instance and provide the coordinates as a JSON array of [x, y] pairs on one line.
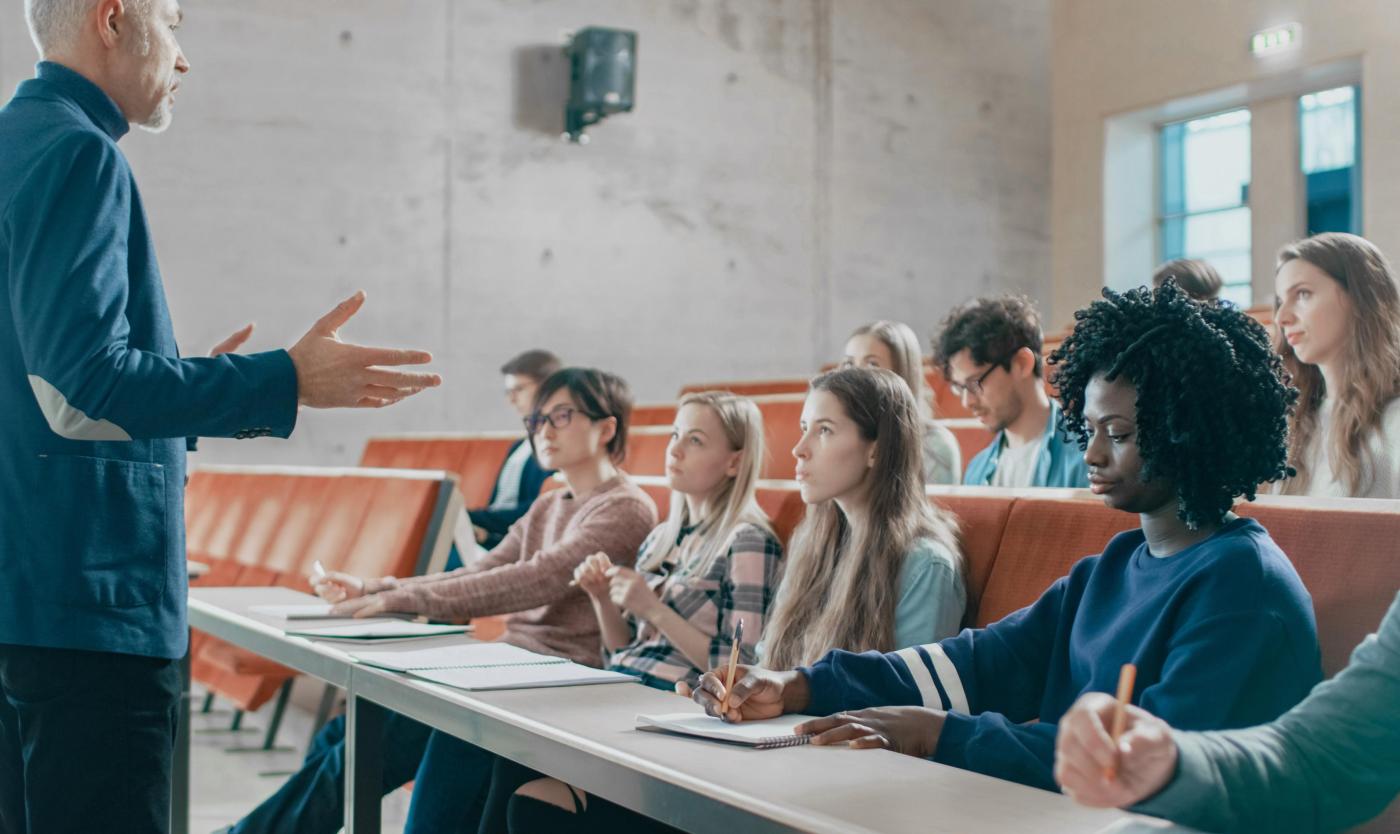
[[713, 563]]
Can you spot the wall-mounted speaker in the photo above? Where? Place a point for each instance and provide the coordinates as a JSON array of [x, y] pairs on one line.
[[602, 78]]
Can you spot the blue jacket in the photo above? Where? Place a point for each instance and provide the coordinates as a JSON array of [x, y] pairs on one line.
[[1222, 634], [95, 403], [1060, 463]]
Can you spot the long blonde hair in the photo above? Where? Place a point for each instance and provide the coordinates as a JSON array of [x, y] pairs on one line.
[[841, 590], [734, 504], [1371, 370], [908, 359]]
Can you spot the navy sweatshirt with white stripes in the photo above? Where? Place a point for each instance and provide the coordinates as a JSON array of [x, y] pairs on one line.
[[1222, 634]]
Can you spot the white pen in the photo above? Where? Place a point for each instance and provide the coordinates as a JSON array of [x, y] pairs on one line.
[[318, 569]]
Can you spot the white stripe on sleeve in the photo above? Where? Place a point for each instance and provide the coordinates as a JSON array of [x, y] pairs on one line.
[[948, 676], [927, 690]]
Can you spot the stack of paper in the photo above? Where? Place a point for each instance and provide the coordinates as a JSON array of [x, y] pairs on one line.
[[485, 678], [374, 630], [455, 656]]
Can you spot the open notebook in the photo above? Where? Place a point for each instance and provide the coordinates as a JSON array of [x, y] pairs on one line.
[[455, 656], [375, 630], [535, 676], [760, 735]]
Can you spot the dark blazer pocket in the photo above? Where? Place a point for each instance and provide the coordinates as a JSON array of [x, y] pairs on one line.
[[102, 541]]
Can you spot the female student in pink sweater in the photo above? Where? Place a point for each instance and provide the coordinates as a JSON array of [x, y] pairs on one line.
[[579, 428]]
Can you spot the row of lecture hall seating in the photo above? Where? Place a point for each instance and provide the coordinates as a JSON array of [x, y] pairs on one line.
[[945, 404], [266, 525], [1016, 544]]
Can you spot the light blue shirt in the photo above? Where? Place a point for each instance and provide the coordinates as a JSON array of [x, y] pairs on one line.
[[932, 597], [1060, 463]]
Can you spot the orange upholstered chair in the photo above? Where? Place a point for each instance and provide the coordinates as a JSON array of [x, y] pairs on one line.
[[971, 435], [646, 450], [752, 387], [1042, 540], [662, 414], [782, 429], [258, 526]]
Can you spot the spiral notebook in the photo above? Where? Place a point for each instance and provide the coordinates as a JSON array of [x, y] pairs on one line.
[[760, 735], [455, 656]]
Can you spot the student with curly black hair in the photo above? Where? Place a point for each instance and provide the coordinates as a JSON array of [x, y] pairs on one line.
[[1180, 407]]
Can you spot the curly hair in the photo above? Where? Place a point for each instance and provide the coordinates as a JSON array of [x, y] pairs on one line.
[[992, 330], [1213, 399]]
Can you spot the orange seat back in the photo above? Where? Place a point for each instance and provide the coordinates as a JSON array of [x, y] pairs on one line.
[[751, 387], [646, 450], [1043, 538]]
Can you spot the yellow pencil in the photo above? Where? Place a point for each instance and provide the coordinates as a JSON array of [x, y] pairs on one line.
[[733, 663], [1126, 678]]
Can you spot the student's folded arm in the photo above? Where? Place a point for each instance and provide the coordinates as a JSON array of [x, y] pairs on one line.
[[537, 579], [992, 744], [751, 580], [68, 230]]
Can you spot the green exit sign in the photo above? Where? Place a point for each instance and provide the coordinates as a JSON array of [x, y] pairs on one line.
[[1274, 40]]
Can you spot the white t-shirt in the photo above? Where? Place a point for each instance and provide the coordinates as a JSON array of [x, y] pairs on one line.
[[1383, 448], [1016, 465]]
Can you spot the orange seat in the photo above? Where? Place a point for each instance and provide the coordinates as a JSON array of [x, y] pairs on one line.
[[1042, 540], [663, 414], [474, 458], [782, 429], [752, 387], [260, 526], [646, 450], [972, 438]]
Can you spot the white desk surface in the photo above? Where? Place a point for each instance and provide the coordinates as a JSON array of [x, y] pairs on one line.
[[586, 735]]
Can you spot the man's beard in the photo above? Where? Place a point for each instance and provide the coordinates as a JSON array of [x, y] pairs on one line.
[[160, 118]]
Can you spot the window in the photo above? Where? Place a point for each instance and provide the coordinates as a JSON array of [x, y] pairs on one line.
[[1204, 197], [1327, 128]]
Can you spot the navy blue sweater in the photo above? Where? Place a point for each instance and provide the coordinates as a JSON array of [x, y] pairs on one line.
[[1222, 634]]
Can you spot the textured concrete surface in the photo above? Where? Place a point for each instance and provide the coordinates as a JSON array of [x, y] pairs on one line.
[[793, 168]]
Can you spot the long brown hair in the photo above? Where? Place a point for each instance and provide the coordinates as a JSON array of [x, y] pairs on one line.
[[1371, 375], [841, 590]]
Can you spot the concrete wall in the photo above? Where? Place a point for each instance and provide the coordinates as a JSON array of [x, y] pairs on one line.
[[793, 167], [1115, 57]]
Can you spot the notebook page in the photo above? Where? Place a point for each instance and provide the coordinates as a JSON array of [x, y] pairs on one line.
[[461, 655], [379, 630], [747, 732], [522, 677]]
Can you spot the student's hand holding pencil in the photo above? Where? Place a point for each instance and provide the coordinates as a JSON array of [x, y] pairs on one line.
[[756, 694], [1095, 771]]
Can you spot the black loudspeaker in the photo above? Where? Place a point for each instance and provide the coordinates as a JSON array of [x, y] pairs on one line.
[[602, 78]]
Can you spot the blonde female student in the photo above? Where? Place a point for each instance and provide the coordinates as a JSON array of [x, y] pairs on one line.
[[714, 563], [872, 566], [893, 346], [1337, 326]]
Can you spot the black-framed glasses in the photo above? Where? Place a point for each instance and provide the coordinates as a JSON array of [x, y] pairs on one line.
[[558, 418], [974, 386]]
